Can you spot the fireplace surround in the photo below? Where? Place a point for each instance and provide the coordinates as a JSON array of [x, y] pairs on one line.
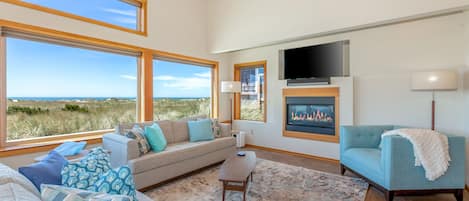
[[311, 113]]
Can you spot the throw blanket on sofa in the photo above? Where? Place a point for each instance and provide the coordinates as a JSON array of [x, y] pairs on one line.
[[430, 149]]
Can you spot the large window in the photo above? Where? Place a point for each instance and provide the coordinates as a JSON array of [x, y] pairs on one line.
[[54, 89], [127, 15], [181, 90], [250, 104]]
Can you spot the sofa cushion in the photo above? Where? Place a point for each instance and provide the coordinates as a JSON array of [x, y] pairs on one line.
[[8, 175], [167, 128], [179, 152], [365, 161], [13, 191], [180, 131]]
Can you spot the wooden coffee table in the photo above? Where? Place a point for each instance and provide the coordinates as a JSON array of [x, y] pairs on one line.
[[235, 172]]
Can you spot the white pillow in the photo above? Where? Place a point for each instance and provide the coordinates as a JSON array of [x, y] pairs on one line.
[[8, 175], [13, 191]]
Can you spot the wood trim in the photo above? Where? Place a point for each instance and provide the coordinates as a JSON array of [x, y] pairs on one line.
[[146, 83], [63, 138], [142, 30], [42, 147], [330, 160], [215, 75], [312, 92], [237, 96], [68, 36], [3, 96]]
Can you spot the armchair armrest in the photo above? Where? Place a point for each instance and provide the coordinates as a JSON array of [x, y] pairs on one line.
[[361, 136], [400, 172], [122, 148]]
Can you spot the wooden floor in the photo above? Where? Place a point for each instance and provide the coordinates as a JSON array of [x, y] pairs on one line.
[[372, 195]]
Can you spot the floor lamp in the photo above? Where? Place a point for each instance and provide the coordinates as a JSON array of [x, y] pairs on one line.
[[434, 81], [231, 87]]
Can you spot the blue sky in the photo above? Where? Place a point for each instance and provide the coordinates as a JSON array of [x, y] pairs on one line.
[[111, 11], [45, 70]]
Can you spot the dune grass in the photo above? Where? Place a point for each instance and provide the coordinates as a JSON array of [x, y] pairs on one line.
[[28, 119]]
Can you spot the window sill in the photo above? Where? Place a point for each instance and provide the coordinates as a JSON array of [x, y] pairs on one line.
[[29, 148]]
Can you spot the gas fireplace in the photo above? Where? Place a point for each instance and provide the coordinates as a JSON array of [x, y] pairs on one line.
[[311, 115]]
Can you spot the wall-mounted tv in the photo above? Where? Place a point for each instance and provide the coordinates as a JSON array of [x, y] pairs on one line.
[[315, 62]]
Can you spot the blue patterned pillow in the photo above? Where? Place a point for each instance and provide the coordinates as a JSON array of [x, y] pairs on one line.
[[54, 193], [118, 181], [137, 134], [85, 173]]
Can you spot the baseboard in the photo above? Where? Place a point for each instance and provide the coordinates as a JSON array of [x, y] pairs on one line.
[[330, 160]]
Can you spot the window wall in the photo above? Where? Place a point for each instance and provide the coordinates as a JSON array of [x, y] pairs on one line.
[[181, 90], [126, 15], [250, 103], [55, 89]]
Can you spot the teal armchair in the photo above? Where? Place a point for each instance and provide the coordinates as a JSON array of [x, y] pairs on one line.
[[390, 168]]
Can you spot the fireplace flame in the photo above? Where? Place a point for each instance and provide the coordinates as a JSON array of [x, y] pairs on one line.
[[317, 116]]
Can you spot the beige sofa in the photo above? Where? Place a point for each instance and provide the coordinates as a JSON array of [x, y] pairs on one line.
[[180, 156]]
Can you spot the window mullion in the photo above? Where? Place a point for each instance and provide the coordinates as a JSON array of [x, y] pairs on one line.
[[3, 99]]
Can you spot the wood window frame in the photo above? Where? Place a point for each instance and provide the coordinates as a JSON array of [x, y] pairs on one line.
[[142, 18], [144, 91], [237, 96]]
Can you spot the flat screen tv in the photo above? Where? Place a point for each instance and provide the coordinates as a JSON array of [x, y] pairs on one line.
[[315, 62]]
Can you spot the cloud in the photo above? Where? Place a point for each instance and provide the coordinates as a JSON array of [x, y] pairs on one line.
[[184, 83], [206, 74], [125, 20], [129, 13], [128, 77]]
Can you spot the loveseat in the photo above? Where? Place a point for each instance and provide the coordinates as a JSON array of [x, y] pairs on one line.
[[180, 156], [391, 167]]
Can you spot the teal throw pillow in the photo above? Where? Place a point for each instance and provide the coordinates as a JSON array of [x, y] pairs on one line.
[[155, 137], [85, 173], [54, 193], [117, 182], [200, 130]]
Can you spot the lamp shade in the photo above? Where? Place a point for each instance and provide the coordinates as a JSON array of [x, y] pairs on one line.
[[435, 80], [230, 87]]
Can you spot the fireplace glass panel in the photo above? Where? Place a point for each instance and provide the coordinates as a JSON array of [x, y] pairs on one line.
[[311, 114]]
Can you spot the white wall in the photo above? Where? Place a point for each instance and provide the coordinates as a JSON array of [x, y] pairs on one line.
[[244, 24], [381, 61], [178, 26], [466, 85]]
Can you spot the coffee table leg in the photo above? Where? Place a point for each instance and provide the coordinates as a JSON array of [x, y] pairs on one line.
[[244, 192], [223, 191], [251, 176]]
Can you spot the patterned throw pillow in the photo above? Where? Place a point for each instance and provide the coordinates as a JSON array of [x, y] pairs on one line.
[[85, 173], [53, 193], [138, 134], [118, 181]]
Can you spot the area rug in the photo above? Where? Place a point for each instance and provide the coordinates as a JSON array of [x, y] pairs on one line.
[[272, 181]]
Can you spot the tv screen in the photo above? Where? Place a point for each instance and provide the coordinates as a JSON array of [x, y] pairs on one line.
[[319, 61]]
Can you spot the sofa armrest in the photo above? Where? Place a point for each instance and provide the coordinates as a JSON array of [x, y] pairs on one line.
[[361, 136], [400, 172], [225, 129], [122, 148]]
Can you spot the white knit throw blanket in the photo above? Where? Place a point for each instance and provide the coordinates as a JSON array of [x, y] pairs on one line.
[[431, 150]]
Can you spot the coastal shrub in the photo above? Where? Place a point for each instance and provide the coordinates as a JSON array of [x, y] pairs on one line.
[[75, 108], [26, 110]]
